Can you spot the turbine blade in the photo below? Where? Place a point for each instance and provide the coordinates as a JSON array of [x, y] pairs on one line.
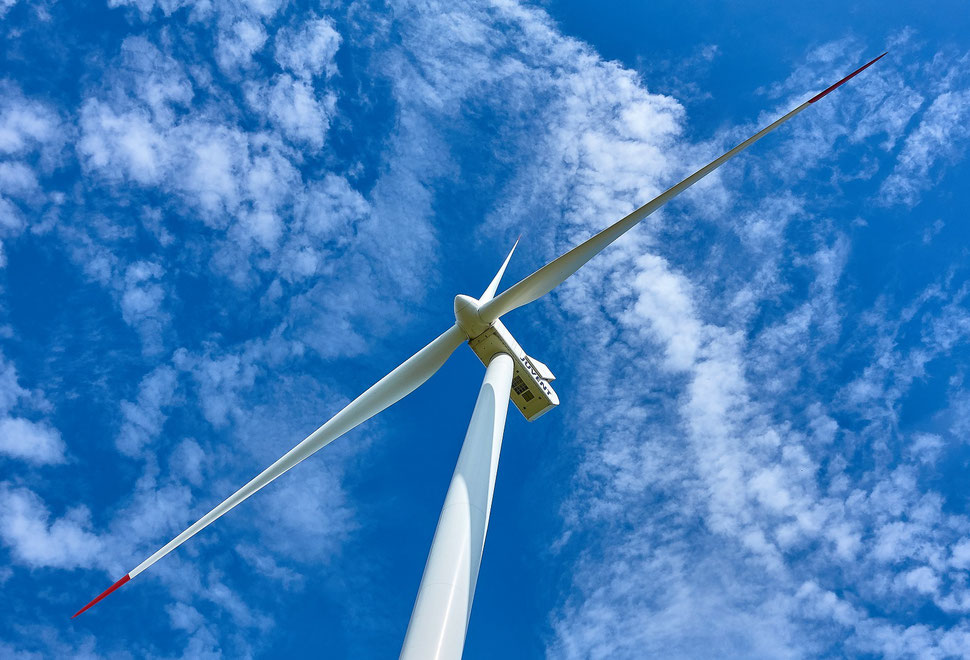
[[387, 391], [493, 286], [555, 273]]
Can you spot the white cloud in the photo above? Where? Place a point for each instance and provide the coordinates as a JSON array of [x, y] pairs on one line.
[[306, 516], [940, 137], [35, 541], [309, 51], [122, 146], [212, 163], [31, 141], [218, 170], [37, 442], [11, 219], [715, 499], [146, 6], [142, 303], [157, 79], [264, 562], [960, 557], [5, 6], [926, 447], [220, 378], [160, 130], [17, 179], [144, 418], [10, 389], [203, 642], [664, 301], [188, 461], [684, 609], [264, 8], [147, 126], [922, 579], [239, 42], [139, 288], [26, 124], [30, 441], [293, 105], [753, 459]]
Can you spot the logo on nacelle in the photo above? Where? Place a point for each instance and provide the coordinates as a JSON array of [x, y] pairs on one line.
[[534, 373]]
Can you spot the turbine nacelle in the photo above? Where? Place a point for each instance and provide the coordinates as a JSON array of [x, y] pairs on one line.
[[531, 392]]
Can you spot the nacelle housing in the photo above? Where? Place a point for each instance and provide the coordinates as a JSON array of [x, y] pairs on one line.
[[531, 392]]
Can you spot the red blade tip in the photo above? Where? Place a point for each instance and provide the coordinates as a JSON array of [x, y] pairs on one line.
[[851, 75], [103, 594]]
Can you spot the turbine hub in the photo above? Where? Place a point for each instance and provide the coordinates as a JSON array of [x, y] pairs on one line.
[[466, 314]]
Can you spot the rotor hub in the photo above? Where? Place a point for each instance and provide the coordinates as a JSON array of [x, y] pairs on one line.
[[466, 314]]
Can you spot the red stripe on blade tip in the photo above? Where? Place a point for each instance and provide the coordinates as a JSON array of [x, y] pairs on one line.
[[844, 80], [103, 594]]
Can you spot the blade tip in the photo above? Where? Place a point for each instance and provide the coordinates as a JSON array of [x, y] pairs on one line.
[[832, 88], [104, 593]]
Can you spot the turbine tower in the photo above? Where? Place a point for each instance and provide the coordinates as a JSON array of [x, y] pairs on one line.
[[443, 604]]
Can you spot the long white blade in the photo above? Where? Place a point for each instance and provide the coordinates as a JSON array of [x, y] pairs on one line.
[[555, 273], [493, 285], [390, 389]]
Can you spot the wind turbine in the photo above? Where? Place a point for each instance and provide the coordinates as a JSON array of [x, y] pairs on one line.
[[443, 605]]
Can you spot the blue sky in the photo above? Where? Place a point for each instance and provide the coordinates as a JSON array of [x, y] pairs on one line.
[[222, 221]]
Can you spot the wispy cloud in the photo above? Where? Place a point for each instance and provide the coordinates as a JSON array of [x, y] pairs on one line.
[[36, 541], [740, 389], [220, 122], [747, 479], [144, 419], [310, 50], [941, 137], [32, 137], [32, 440]]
